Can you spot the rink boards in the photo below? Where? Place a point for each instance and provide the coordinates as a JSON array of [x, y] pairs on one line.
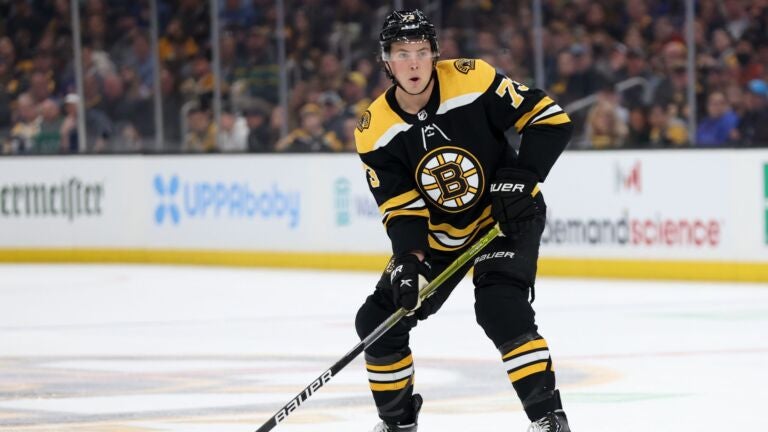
[[664, 214]]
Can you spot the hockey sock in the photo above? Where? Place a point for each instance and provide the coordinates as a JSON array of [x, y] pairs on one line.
[[391, 379], [529, 368]]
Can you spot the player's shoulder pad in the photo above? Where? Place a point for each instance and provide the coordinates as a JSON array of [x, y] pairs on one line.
[[462, 81], [377, 126]]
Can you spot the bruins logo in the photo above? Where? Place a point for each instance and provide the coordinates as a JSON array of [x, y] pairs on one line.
[[464, 65], [451, 177], [365, 121]]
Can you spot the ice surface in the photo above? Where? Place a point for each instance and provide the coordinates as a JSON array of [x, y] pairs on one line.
[[151, 348]]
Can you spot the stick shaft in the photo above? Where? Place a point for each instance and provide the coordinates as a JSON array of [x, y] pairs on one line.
[[388, 323]]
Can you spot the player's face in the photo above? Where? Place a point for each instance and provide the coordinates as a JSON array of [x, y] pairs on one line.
[[411, 64]]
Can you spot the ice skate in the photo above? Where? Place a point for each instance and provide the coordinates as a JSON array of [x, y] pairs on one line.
[[554, 421], [411, 426]]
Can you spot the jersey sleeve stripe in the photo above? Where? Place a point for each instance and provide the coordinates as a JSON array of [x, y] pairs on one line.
[[400, 200], [554, 120], [541, 105], [405, 212], [552, 110]]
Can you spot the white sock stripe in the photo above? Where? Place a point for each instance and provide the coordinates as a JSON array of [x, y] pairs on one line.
[[390, 376], [524, 359]]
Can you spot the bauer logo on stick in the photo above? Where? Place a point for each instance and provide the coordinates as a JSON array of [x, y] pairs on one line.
[[298, 400]]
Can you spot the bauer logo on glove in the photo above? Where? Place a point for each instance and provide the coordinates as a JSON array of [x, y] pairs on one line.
[[514, 204]]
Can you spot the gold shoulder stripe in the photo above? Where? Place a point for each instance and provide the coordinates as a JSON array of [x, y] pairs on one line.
[[543, 103], [554, 120], [399, 200], [463, 84], [377, 126]]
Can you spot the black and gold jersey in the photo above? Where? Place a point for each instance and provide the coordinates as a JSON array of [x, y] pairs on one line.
[[430, 172]]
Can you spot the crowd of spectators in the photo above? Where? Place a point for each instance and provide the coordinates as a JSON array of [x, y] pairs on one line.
[[627, 57]]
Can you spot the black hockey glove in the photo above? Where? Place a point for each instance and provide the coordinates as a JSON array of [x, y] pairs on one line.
[[407, 277], [512, 204]]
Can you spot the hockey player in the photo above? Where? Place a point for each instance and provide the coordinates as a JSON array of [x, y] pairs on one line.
[[442, 173]]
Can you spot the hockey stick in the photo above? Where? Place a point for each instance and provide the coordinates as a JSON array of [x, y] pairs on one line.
[[425, 292]]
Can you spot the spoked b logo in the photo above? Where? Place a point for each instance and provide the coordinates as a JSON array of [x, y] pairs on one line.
[[451, 178]]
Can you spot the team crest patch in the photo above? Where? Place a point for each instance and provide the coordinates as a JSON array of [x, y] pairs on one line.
[[451, 178], [365, 121], [464, 65]]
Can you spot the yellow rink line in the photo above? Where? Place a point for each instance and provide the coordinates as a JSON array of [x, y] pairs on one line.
[[564, 267]]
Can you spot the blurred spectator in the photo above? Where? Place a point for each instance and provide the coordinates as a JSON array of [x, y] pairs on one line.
[[605, 128], [69, 137], [26, 126], [127, 139], [353, 94], [311, 136], [347, 135], [25, 27], [329, 72], [194, 17], [199, 86], [126, 26], [96, 31], [564, 88], [259, 137], [333, 111], [98, 128], [9, 75], [201, 133], [587, 78], [237, 13], [48, 138], [671, 90], [111, 99], [257, 71], [140, 59], [175, 47], [172, 103], [638, 135], [753, 125], [41, 87], [327, 44], [228, 56], [232, 132], [665, 129], [718, 127]]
